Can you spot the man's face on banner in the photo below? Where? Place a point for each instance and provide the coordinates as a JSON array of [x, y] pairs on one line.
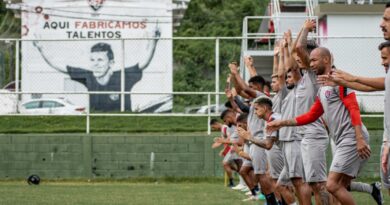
[[100, 63]]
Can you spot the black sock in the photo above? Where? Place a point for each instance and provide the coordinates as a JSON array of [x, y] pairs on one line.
[[253, 191], [231, 182], [257, 188], [271, 199], [283, 202]]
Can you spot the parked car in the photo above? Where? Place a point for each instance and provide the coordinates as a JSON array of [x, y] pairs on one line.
[[204, 109], [50, 106]]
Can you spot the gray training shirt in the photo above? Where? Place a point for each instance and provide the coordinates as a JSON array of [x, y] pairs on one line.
[[255, 124], [277, 100], [386, 120], [307, 89], [337, 116], [288, 107]]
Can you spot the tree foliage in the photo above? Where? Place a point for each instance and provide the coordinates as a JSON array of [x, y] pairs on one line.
[[194, 60]]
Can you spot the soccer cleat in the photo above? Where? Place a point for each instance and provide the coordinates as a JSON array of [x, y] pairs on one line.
[[261, 196], [245, 189], [249, 193], [377, 193], [238, 187], [251, 198]]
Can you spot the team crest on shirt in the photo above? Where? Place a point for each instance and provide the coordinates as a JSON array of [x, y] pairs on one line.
[[328, 93], [96, 4]]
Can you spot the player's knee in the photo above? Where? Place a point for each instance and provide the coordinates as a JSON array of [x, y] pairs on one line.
[[332, 186], [242, 172]]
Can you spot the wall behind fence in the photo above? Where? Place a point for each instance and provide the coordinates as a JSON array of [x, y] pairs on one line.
[[122, 155]]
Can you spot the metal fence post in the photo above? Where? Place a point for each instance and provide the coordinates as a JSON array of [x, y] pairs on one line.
[[17, 73], [208, 114], [123, 76], [88, 116], [216, 75]]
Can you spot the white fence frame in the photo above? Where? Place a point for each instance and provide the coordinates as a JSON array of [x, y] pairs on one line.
[[209, 94]]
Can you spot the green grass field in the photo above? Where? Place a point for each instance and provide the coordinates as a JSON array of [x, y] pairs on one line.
[[81, 193], [70, 124]]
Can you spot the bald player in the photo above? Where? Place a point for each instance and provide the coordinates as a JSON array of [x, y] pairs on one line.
[[314, 135], [342, 115]]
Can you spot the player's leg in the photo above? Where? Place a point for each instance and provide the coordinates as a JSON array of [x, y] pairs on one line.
[[245, 172], [293, 154], [282, 186], [275, 163], [228, 169], [337, 185], [314, 162], [385, 177]]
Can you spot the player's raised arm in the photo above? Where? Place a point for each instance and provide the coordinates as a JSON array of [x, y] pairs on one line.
[[151, 49], [249, 65], [43, 53], [239, 83]]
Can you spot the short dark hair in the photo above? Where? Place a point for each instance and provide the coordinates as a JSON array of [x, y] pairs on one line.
[[225, 112], [257, 79], [387, 4], [243, 117], [213, 121], [383, 45], [267, 83], [264, 101], [228, 104], [103, 47]]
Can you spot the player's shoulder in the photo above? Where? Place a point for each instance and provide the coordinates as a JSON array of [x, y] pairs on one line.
[[275, 116]]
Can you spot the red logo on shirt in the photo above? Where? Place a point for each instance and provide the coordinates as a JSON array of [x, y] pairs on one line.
[[96, 4], [328, 93]]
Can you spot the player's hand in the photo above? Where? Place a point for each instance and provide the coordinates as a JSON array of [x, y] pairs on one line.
[[233, 68], [310, 25], [342, 75], [243, 133], [273, 126], [219, 140], [327, 80], [248, 61], [289, 37], [234, 92], [228, 79], [276, 49], [216, 145], [235, 148], [385, 158], [363, 149], [228, 93]]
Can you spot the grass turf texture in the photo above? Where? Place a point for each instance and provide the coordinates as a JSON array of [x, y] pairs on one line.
[[117, 192], [63, 124]]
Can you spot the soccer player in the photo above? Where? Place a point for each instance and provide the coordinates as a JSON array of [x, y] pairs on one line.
[[231, 161], [339, 106], [290, 142], [314, 136], [263, 109], [255, 127], [367, 85]]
